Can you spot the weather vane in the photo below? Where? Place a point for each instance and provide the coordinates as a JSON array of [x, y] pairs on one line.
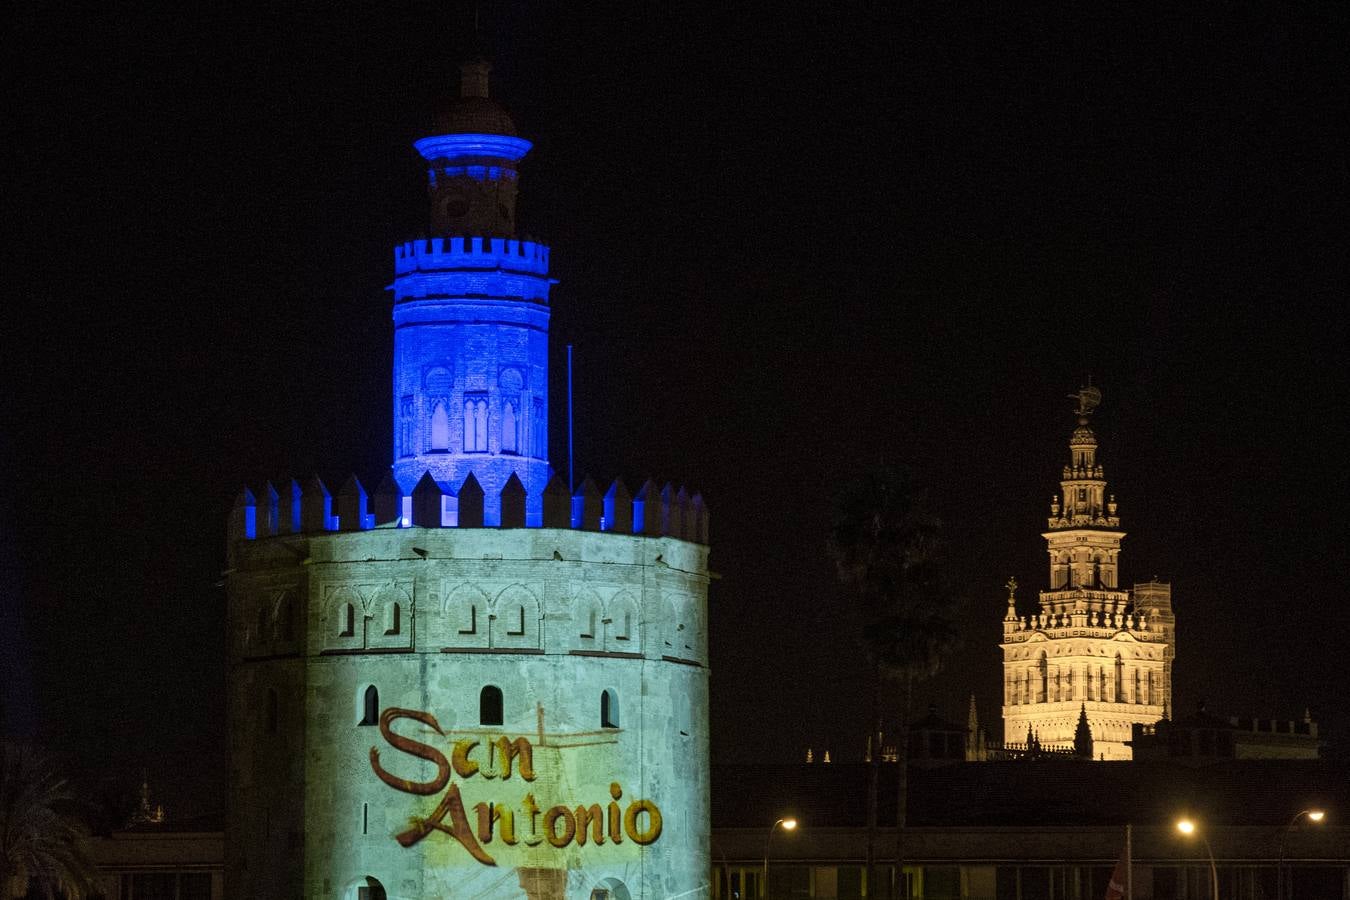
[[1089, 398]]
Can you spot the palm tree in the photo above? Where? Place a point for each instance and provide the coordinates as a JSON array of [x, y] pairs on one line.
[[886, 546], [42, 842]]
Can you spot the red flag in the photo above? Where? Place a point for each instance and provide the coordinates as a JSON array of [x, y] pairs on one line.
[[1115, 888]]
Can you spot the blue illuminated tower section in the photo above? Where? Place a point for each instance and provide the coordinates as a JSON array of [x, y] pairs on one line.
[[471, 317]]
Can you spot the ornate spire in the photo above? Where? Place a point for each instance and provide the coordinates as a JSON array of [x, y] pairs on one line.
[[1082, 735]]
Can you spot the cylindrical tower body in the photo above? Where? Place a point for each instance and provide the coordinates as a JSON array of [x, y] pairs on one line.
[[471, 317], [532, 726]]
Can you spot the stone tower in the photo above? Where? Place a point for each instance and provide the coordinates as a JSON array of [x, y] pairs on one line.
[[471, 316], [474, 682], [1092, 649]]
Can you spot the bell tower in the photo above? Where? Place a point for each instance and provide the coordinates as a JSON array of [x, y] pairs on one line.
[[471, 317], [1093, 652], [1084, 533]]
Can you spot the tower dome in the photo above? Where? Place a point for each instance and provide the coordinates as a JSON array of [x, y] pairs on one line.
[[473, 111]]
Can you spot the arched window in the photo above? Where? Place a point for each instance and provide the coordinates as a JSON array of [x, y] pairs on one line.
[[371, 890], [609, 709], [405, 447], [348, 614], [490, 706], [394, 619], [440, 428], [475, 423], [370, 706], [1120, 680], [1044, 696], [508, 428], [272, 713]]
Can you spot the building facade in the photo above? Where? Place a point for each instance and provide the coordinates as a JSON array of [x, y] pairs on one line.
[[1092, 649], [476, 681]]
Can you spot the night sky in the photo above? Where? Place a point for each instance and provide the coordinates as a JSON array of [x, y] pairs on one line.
[[792, 242]]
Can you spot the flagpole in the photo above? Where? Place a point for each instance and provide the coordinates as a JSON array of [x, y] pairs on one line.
[[1129, 863]]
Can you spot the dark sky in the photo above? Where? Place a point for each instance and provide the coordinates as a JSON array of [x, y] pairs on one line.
[[791, 242]]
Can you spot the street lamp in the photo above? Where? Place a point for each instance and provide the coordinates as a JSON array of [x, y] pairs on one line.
[[1188, 828], [788, 825], [1315, 816]]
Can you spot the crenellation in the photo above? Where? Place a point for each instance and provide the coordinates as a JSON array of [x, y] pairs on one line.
[[426, 503], [291, 497], [557, 504], [647, 508], [618, 512], [316, 507], [470, 503], [269, 522], [587, 508], [513, 503], [388, 505], [352, 512], [430, 505], [439, 254]]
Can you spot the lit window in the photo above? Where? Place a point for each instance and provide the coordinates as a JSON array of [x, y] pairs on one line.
[[475, 423], [440, 428], [509, 441]]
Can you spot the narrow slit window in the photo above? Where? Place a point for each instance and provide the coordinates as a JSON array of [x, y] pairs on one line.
[[370, 706], [609, 709], [348, 614], [395, 620], [519, 628], [490, 706]]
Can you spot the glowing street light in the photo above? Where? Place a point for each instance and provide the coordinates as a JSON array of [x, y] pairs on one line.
[[1313, 815], [789, 824], [1189, 828]]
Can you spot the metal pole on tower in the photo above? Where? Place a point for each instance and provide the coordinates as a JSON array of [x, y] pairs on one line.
[[571, 482]]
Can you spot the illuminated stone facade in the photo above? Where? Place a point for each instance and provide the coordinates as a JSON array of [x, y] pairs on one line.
[[1091, 646], [474, 682]]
